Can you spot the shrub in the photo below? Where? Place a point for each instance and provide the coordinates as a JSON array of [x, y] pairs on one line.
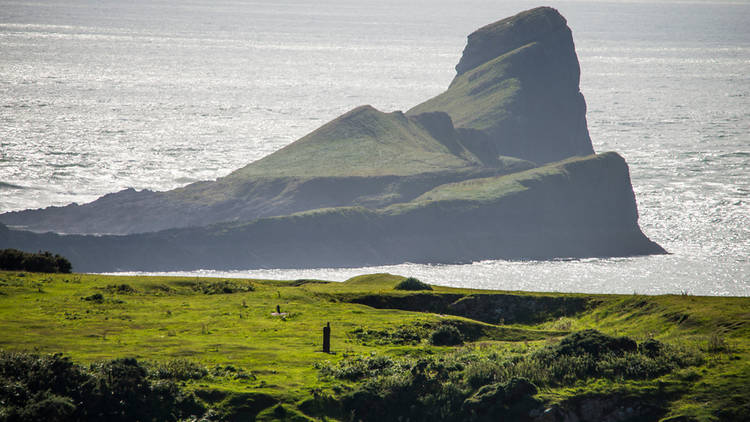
[[178, 369], [651, 348], [511, 397], [446, 335], [594, 343], [40, 262], [52, 388], [471, 385], [222, 287], [121, 288], [404, 334], [96, 298], [412, 283]]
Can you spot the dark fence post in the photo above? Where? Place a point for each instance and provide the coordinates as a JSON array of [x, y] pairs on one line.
[[327, 338]]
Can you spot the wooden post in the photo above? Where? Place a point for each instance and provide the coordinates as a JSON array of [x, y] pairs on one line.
[[327, 338]]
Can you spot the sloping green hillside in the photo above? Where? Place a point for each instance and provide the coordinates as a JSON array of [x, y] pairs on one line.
[[218, 348], [480, 99], [368, 142]]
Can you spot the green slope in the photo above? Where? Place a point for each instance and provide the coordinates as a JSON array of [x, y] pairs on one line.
[[368, 142], [480, 99], [218, 339]]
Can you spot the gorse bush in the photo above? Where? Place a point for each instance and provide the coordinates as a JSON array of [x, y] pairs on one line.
[[446, 335], [360, 367], [178, 369], [222, 287], [473, 385], [592, 342], [41, 262], [121, 288], [404, 334], [412, 284], [52, 388]]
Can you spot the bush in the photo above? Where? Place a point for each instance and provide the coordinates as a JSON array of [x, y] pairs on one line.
[[222, 287], [121, 288], [594, 343], [651, 348], [359, 368], [446, 335], [404, 334], [96, 298], [52, 388], [178, 369], [469, 384], [509, 398], [40, 262], [412, 283]]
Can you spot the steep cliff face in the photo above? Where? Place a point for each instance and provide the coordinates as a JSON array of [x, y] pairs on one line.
[[517, 90], [581, 207]]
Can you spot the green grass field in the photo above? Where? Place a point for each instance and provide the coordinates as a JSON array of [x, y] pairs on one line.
[[219, 324]]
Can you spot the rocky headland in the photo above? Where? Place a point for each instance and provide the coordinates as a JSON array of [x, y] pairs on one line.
[[500, 165]]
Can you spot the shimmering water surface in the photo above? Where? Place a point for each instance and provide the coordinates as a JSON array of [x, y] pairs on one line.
[[97, 96]]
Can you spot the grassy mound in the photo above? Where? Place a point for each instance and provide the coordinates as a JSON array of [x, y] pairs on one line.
[[365, 142], [412, 284]]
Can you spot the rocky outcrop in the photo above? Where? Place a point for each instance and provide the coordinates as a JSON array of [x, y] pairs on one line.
[[517, 90], [542, 24], [456, 179], [601, 408], [516, 95], [579, 208]]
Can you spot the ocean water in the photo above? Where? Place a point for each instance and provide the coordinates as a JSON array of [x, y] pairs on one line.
[[97, 96]]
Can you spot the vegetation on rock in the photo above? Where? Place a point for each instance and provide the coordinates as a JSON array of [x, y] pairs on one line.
[[412, 284]]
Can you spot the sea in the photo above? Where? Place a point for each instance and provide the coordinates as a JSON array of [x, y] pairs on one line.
[[101, 95]]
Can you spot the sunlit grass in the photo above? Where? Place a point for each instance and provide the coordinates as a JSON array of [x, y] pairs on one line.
[[217, 322]]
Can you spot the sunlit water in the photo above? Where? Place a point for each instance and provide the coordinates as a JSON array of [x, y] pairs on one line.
[[97, 96]]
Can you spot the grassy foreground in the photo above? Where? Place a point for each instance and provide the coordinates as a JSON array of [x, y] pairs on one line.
[[683, 358]]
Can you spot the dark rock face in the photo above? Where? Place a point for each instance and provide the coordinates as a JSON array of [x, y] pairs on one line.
[[523, 75], [582, 208], [597, 408], [506, 35], [130, 211]]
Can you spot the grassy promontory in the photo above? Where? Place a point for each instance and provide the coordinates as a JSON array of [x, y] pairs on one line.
[[441, 353]]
